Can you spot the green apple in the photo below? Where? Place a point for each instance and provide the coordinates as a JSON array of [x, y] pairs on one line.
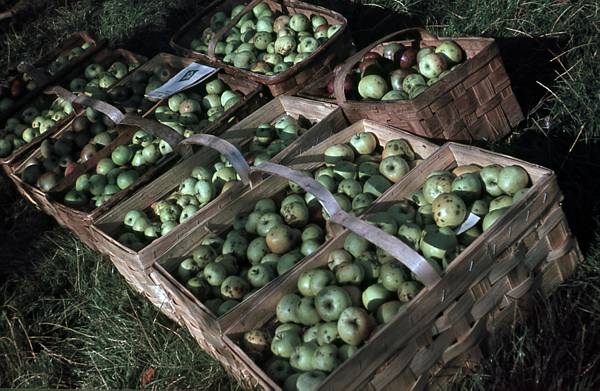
[[287, 261], [338, 152], [307, 313], [331, 301], [346, 351], [500, 202], [234, 287], [491, 218], [490, 175], [256, 341], [512, 179], [391, 276], [309, 381], [278, 369], [467, 186], [336, 258], [387, 310], [285, 343], [432, 65], [187, 269], [449, 210], [325, 358], [436, 185], [127, 178], [260, 275], [312, 281], [355, 244], [438, 243], [280, 239], [287, 308], [257, 249], [302, 358], [408, 290], [355, 325], [327, 333], [394, 168], [374, 296], [350, 273], [364, 143], [451, 51], [104, 166], [310, 335], [376, 185]]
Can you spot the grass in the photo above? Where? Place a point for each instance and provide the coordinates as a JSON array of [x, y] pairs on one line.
[[67, 319]]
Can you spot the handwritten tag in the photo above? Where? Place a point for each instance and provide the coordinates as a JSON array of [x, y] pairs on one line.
[[188, 77], [469, 223]]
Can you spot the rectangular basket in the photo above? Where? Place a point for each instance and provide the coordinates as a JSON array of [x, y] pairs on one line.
[[473, 102], [79, 221], [437, 335], [203, 324], [36, 97], [327, 120], [41, 66], [318, 63]]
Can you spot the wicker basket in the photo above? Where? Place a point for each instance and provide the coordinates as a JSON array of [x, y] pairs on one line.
[[318, 63], [473, 102], [203, 324], [436, 337], [43, 100], [327, 120], [38, 71]]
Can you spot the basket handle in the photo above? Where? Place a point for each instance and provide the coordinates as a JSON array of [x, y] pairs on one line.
[[230, 152], [219, 34], [425, 271], [307, 183], [342, 71], [154, 128]]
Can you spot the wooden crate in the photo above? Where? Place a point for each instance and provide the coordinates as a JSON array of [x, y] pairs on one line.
[[202, 323], [473, 102], [318, 63], [39, 69], [327, 120], [436, 337]]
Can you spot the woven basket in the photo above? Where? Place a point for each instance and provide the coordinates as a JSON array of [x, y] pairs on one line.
[[436, 337], [79, 221], [318, 63], [38, 70], [37, 97], [473, 102], [327, 120], [204, 323]]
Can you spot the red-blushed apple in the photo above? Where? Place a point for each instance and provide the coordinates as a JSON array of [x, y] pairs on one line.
[[408, 58], [355, 325]]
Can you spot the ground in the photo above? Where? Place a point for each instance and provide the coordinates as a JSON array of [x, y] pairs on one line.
[[67, 318]]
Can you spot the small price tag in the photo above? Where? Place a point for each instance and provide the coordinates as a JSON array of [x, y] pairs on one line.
[[469, 223], [188, 77]]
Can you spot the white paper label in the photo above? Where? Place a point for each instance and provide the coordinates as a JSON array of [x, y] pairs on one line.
[[469, 223], [188, 77]]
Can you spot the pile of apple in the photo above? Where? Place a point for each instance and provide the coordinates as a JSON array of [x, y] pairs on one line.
[[193, 193], [21, 84], [430, 221], [131, 94], [31, 123], [401, 72], [125, 166], [267, 242], [361, 170], [270, 139], [334, 311], [189, 112], [59, 156], [97, 79], [265, 42]]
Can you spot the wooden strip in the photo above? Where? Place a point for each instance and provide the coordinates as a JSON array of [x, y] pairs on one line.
[[425, 358], [491, 298]]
